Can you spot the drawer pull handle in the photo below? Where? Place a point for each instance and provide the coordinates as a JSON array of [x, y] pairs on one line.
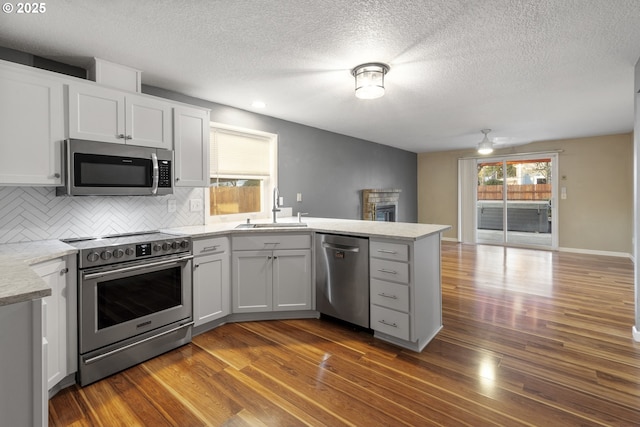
[[384, 270], [387, 251], [384, 322], [210, 248], [382, 294]]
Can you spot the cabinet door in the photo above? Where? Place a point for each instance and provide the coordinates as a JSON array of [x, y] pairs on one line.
[[191, 142], [252, 285], [148, 122], [55, 320], [292, 280], [211, 288], [96, 113], [31, 129]]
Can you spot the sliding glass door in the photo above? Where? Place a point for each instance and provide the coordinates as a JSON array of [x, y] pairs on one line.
[[515, 200]]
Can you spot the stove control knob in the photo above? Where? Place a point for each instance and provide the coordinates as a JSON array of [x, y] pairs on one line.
[[166, 246], [118, 253], [175, 245], [184, 244], [93, 256], [129, 251], [157, 247], [105, 255]]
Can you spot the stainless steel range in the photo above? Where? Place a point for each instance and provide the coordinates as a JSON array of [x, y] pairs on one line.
[[134, 300]]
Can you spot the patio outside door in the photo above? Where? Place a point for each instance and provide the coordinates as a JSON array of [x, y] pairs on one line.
[[515, 202]]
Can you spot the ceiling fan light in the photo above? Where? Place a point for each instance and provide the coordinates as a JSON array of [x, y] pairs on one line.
[[485, 146], [370, 80]]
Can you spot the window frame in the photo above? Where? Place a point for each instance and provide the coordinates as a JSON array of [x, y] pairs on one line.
[[268, 181]]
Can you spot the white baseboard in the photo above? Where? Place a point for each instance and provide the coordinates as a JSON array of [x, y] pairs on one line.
[[594, 252], [573, 250], [636, 334]]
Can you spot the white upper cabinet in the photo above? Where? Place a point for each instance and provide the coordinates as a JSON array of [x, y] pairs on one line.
[[148, 122], [191, 144], [101, 114], [31, 127]]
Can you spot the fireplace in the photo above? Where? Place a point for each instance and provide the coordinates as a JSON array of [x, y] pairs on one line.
[[380, 205]]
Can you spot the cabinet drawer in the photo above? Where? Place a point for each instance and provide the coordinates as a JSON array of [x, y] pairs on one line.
[[210, 246], [391, 295], [271, 241], [389, 270], [390, 322], [392, 251]]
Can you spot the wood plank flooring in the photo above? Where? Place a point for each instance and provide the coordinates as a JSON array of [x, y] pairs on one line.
[[530, 338]]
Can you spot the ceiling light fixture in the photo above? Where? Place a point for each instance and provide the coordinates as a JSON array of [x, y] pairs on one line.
[[485, 146], [258, 104], [370, 80]]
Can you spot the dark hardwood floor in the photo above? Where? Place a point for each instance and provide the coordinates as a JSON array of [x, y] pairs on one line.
[[530, 338]]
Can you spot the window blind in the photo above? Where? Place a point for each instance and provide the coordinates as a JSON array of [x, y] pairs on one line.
[[235, 153]]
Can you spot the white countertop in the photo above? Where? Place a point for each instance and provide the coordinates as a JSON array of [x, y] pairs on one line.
[[18, 281], [390, 230]]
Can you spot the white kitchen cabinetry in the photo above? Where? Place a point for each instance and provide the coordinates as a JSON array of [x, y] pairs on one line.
[[405, 290], [191, 144], [31, 127], [59, 313], [23, 395], [271, 272], [102, 114], [211, 287]]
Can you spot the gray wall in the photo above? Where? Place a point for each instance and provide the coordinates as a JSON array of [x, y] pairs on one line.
[[329, 169]]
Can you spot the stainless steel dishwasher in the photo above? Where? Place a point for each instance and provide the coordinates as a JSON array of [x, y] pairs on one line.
[[342, 277]]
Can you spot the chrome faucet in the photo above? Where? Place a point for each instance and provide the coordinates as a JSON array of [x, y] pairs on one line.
[[276, 196]]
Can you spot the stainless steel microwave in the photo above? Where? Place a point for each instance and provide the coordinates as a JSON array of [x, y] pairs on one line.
[[105, 169]]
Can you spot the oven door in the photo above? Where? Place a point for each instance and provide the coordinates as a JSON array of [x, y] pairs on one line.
[[124, 300]]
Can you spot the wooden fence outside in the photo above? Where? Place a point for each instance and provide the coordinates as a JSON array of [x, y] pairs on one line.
[[515, 192], [230, 200]]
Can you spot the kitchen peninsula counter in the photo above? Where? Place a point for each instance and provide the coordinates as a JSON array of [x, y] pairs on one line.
[[351, 227], [20, 283]]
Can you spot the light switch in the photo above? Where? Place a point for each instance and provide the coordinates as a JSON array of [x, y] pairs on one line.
[[563, 193]]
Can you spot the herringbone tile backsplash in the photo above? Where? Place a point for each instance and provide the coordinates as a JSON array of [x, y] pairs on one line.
[[35, 213]]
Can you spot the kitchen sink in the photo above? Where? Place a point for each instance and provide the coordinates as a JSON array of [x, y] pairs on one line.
[[274, 225]]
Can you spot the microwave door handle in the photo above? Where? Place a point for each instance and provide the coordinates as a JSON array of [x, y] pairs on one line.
[[156, 173]]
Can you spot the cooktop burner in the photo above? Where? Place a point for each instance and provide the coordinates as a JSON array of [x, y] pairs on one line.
[[116, 248]]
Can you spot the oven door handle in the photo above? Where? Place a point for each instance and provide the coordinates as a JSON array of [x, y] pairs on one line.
[[133, 344], [135, 267]]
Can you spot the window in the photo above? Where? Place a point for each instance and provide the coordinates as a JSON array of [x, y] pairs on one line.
[[243, 173]]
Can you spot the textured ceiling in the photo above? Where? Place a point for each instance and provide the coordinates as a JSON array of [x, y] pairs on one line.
[[529, 70]]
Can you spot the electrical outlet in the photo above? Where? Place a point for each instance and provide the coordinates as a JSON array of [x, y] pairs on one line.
[[195, 205], [281, 201], [299, 197], [171, 205]]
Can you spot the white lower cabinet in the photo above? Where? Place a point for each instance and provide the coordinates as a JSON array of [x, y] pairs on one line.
[[211, 288], [271, 273], [23, 394], [59, 313], [405, 291]]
